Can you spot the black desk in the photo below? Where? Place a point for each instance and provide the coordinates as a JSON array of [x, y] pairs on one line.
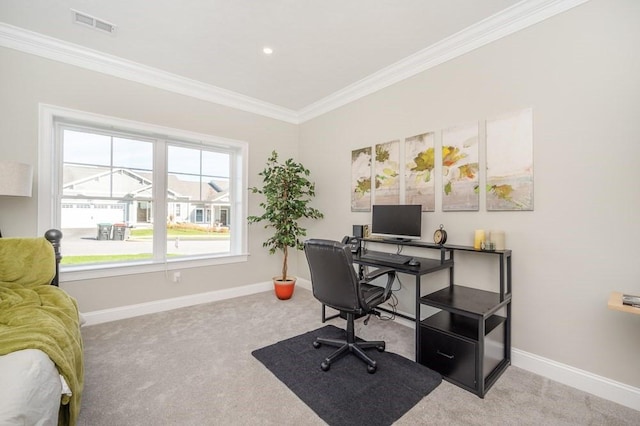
[[469, 340]]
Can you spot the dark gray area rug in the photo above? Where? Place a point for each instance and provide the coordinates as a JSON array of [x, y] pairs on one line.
[[347, 394]]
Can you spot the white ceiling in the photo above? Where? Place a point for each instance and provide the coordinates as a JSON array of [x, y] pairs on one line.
[[321, 47]]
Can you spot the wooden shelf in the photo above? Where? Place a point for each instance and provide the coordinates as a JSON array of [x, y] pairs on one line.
[[615, 302]]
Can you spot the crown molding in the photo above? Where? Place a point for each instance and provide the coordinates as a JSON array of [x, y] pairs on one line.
[[69, 53], [504, 23]]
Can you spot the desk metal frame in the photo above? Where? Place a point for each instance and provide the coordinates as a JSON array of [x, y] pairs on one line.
[[479, 314]]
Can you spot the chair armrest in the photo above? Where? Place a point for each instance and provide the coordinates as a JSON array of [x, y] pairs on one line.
[[377, 273], [380, 272]]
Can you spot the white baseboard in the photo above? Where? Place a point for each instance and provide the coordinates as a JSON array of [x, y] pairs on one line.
[[306, 284], [603, 387], [130, 311]]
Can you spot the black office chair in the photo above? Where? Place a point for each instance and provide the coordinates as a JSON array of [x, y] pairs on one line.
[[336, 284]]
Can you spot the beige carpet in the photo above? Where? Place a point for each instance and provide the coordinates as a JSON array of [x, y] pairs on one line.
[[193, 366]]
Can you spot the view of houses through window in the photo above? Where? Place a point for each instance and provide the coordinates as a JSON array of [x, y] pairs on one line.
[[120, 192]]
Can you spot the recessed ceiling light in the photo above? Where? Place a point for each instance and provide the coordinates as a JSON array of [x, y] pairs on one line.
[[267, 50]]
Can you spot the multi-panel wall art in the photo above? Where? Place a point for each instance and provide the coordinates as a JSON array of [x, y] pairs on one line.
[[361, 180], [387, 169], [405, 173], [510, 161], [460, 181], [419, 157]]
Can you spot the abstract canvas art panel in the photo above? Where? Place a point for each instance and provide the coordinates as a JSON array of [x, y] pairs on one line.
[[387, 172], [361, 180], [510, 161], [460, 180], [419, 167]]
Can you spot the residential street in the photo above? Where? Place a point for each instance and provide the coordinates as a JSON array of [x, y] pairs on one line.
[[80, 242]]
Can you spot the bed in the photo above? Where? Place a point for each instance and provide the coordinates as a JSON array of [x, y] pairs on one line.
[[41, 353]]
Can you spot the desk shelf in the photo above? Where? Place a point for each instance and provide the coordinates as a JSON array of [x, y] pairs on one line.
[[465, 300], [460, 325]]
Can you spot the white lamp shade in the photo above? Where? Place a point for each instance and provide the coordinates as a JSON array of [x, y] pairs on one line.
[[15, 179]]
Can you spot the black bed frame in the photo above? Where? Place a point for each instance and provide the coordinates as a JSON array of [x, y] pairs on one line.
[[54, 236]]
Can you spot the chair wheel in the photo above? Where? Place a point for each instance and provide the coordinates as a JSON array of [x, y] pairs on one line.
[[371, 369], [381, 347], [316, 344], [325, 366]]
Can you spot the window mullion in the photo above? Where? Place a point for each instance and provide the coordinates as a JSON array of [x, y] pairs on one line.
[[160, 200], [111, 166]]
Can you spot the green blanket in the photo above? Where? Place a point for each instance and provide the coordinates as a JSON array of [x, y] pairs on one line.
[[36, 315]]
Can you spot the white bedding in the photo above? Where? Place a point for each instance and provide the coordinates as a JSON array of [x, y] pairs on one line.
[[30, 389]]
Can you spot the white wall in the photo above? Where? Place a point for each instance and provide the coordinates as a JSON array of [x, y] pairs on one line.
[[27, 80], [579, 71]]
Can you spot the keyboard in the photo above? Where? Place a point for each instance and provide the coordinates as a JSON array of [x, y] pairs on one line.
[[379, 256]]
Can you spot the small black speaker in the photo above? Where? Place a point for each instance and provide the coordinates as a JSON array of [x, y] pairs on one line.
[[358, 231]]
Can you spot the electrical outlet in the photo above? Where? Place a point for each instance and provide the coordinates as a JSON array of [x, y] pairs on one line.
[[176, 277]]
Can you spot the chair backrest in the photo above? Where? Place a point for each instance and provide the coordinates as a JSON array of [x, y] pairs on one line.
[[333, 277]]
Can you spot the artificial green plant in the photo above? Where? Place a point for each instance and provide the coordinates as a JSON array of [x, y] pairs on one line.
[[288, 192]]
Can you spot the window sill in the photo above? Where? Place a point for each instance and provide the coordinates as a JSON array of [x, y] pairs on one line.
[[79, 273]]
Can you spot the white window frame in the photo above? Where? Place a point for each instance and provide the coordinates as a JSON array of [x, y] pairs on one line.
[[50, 181]]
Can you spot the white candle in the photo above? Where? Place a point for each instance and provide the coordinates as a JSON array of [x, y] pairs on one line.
[[497, 237], [479, 239]]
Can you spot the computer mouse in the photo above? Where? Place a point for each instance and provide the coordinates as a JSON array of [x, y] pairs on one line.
[[414, 262]]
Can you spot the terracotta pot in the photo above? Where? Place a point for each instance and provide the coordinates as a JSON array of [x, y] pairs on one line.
[[284, 289]]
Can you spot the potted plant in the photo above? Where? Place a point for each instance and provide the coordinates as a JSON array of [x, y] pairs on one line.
[[287, 192]]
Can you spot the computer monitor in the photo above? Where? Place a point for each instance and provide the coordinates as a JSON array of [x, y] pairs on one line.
[[397, 222]]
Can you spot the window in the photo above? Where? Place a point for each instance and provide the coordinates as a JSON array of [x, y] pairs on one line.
[[199, 216], [125, 197]]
